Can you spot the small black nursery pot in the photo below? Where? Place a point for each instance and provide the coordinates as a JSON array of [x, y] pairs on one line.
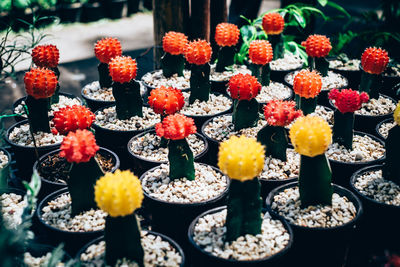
[[352, 75], [95, 104], [5, 170], [378, 129]]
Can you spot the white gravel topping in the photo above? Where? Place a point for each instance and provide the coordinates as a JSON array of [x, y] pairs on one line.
[[288, 62], [392, 71], [209, 234], [57, 213], [31, 261], [220, 128], [227, 74], [12, 207], [156, 79], [93, 91], [320, 111], [21, 136], [157, 252], [215, 104], [148, 147], [351, 64], [276, 169], [287, 204], [385, 127], [331, 81], [364, 149], [207, 185], [64, 101], [375, 107], [3, 159], [107, 118], [274, 91]]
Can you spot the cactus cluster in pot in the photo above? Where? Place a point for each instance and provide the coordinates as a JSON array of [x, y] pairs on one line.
[[307, 85], [273, 25], [261, 54], [317, 48], [226, 37], [173, 62]]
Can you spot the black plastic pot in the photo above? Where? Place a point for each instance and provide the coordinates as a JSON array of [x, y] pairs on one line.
[[353, 76], [4, 20], [133, 6], [114, 8], [320, 246], [378, 228], [69, 13], [5, 171], [279, 75], [91, 12], [48, 187], [163, 237], [21, 118], [72, 240], [25, 156], [140, 165], [342, 171], [94, 104], [219, 87], [204, 258], [389, 83], [377, 133]]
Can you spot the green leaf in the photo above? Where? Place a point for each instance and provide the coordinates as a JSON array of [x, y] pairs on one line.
[[339, 8], [323, 2], [315, 10], [299, 18], [246, 19]]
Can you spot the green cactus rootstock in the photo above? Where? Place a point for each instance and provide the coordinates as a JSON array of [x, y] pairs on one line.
[[343, 128], [181, 161], [315, 181], [321, 64], [38, 114], [82, 178], [391, 168], [275, 139], [226, 55], [245, 114], [55, 98], [172, 64], [243, 209], [371, 84], [255, 71], [277, 45], [200, 85], [122, 236], [265, 75], [105, 79], [307, 105], [128, 100]]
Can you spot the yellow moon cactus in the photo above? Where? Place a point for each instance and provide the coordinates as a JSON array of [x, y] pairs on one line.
[[241, 158], [310, 135], [396, 114], [119, 193]]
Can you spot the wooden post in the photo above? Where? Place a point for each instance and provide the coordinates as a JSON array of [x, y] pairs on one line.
[[218, 13], [200, 19]]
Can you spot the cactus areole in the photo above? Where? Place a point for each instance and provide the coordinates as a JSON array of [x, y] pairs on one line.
[[261, 54], [273, 25], [391, 168], [307, 85], [173, 62], [226, 37], [105, 50], [317, 48]]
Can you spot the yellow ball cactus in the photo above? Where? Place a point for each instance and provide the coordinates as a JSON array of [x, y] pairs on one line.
[[119, 193], [396, 114], [241, 158], [310, 135]]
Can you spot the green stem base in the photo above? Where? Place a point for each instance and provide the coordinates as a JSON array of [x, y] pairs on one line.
[[343, 128], [200, 85], [256, 71], [105, 79], [181, 161], [307, 105], [128, 100], [265, 75], [245, 114], [371, 84], [172, 64], [226, 55], [38, 114], [275, 139], [277, 45], [322, 65], [55, 98], [391, 169]]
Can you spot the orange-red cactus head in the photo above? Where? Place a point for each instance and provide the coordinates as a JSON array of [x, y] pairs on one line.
[[107, 48], [317, 45], [348, 100], [281, 113], [46, 56], [273, 23], [260, 52], [226, 34], [174, 43], [244, 86], [166, 100], [79, 146], [307, 84], [176, 127], [40, 83], [374, 60], [198, 52], [122, 69], [72, 118]]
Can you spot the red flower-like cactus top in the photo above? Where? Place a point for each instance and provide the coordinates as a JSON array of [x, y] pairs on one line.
[[374, 60], [260, 52], [348, 100], [72, 118], [176, 127], [273, 23], [46, 56], [122, 69], [40, 83], [198, 52], [79, 146], [166, 100], [244, 86], [317, 45], [281, 113], [226, 34], [174, 43], [107, 48], [307, 84]]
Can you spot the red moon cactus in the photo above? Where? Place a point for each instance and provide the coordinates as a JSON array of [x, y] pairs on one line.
[[226, 34], [40, 83], [46, 56], [166, 100], [317, 45], [79, 146], [348, 100], [281, 113], [374, 60], [72, 118], [122, 69], [244, 87], [273, 23], [174, 43], [107, 48], [198, 52], [307, 84], [260, 52], [176, 127]]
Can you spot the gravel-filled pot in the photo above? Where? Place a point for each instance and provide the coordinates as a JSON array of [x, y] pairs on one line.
[[236, 256], [53, 169], [5, 162], [146, 152], [382, 128], [219, 80], [282, 66], [348, 69], [170, 253], [315, 243], [41, 254], [12, 205]]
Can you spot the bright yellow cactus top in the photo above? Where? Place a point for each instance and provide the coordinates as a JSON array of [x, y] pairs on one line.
[[396, 114], [310, 135], [241, 158], [119, 193]]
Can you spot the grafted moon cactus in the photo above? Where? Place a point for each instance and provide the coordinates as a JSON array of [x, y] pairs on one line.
[[261, 54], [174, 46], [46, 56], [273, 25], [105, 50], [307, 85], [71, 118], [391, 168], [227, 37], [317, 48], [244, 201], [166, 100]]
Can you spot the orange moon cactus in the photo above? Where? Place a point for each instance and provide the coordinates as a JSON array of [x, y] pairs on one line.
[[260, 52], [273, 23], [46, 56], [40, 83], [166, 100], [198, 52], [107, 48], [122, 69], [226, 34], [174, 43]]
